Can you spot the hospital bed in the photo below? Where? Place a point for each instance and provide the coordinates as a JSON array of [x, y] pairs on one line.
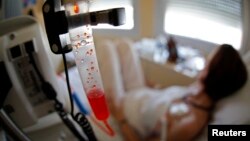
[[119, 64], [121, 72]]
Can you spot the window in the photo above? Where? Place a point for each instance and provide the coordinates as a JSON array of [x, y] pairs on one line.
[[216, 21], [107, 4]]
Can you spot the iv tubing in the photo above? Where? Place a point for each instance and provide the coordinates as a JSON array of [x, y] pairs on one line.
[[86, 125]]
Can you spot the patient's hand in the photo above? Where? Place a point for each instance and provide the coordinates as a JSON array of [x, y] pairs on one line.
[[116, 108]]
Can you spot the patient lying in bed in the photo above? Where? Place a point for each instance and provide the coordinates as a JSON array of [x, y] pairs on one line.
[[180, 113]]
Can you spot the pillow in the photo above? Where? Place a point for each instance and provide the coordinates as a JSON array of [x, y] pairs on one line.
[[131, 70], [235, 109], [246, 58]]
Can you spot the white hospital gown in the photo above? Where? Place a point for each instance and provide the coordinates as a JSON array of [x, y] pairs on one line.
[[144, 107]]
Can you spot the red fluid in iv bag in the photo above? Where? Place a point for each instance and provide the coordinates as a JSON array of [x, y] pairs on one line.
[[76, 8], [98, 103]]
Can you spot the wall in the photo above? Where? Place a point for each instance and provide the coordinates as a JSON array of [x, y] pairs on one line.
[[149, 25], [146, 12]]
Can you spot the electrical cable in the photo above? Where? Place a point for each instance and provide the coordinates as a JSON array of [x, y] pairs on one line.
[[79, 118], [64, 116], [108, 130], [68, 84]]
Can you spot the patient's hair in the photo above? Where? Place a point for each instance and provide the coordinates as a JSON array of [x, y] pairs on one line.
[[226, 73]]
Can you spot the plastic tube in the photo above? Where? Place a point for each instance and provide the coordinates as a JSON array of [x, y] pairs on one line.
[[86, 61]]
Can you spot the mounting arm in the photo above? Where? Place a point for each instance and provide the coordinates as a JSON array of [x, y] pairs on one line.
[[57, 23]]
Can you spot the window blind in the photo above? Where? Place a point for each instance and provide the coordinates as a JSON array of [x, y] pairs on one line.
[[216, 21], [227, 11]]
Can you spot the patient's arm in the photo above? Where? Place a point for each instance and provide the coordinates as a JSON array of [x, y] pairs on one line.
[[181, 129], [128, 132]]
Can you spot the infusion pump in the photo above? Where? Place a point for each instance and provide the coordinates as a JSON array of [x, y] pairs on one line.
[[20, 94]]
